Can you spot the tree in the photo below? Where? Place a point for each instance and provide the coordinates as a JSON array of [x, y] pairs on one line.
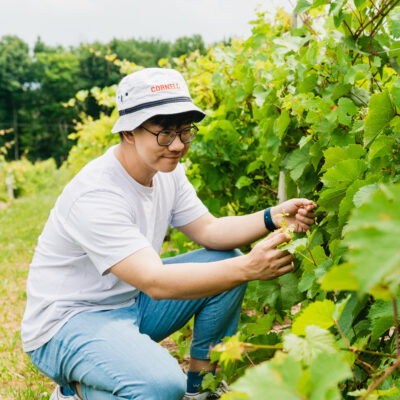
[[186, 45], [15, 73]]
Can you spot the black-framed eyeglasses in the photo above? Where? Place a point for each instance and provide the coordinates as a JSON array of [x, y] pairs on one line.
[[166, 136]]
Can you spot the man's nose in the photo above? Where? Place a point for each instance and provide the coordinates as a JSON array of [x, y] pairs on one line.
[[176, 144]]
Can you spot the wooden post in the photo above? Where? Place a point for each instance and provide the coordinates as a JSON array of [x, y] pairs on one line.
[[282, 195], [10, 184]]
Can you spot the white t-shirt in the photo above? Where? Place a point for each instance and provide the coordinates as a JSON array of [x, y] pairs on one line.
[[102, 216]]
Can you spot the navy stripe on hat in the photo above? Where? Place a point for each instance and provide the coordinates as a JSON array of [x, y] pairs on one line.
[[154, 104]]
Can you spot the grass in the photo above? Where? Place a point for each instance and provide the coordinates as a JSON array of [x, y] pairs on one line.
[[20, 225]]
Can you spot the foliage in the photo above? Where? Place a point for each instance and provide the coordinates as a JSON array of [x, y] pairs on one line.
[[26, 178], [319, 103]]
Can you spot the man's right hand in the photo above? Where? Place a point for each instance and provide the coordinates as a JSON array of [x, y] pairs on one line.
[[266, 261]]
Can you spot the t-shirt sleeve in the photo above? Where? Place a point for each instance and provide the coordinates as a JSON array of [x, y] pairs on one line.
[[103, 225], [187, 207]]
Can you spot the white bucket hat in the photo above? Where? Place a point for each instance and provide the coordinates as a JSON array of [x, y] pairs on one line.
[[150, 92]]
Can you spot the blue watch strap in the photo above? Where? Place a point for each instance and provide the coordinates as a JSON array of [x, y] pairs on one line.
[[268, 220]]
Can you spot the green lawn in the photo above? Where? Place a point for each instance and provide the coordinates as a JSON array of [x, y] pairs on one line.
[[20, 225]]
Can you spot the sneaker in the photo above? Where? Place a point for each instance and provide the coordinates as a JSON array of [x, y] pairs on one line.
[[57, 395], [216, 394]]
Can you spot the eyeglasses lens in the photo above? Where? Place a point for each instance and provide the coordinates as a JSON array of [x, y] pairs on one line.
[[166, 137]]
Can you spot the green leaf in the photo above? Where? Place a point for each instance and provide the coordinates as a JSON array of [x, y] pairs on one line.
[[364, 193], [340, 277], [274, 379], [317, 341], [306, 281], [260, 94], [346, 110], [231, 349], [326, 372], [261, 326], [381, 147], [382, 309], [318, 256], [243, 181], [335, 154], [254, 165], [295, 245], [319, 313], [380, 326], [302, 5], [308, 83], [289, 293], [380, 113], [344, 172], [376, 226], [394, 23], [346, 205], [297, 161], [282, 123]]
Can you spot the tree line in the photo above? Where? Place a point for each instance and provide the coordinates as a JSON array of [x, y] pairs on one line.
[[36, 83]]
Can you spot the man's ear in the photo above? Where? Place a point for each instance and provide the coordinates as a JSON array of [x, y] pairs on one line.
[[128, 136]]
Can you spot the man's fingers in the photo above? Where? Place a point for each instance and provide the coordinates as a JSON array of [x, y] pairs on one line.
[[306, 213], [305, 203], [274, 233], [304, 219], [284, 270], [281, 262], [276, 240]]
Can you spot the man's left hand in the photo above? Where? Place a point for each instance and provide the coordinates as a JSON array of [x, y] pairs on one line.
[[297, 212]]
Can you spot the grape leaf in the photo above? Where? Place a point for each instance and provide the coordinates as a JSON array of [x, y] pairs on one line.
[[376, 226], [335, 154], [346, 205], [243, 181], [345, 172], [274, 379], [326, 371], [319, 313], [346, 110], [302, 5], [363, 194], [317, 340], [340, 277], [380, 326], [380, 113], [297, 161]]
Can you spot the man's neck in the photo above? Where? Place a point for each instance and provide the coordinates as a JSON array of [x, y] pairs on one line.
[[134, 166]]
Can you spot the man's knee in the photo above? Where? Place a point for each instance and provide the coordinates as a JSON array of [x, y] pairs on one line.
[[163, 385]]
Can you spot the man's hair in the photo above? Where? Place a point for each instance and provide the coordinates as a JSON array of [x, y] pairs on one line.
[[166, 121]]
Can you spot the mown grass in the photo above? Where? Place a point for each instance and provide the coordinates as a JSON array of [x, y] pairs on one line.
[[20, 225]]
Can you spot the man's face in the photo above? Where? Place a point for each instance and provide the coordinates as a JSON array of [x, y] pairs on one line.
[[156, 157]]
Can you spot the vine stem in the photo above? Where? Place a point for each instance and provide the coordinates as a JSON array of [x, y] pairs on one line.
[[374, 353], [396, 325], [343, 336], [248, 357], [375, 383], [308, 249]]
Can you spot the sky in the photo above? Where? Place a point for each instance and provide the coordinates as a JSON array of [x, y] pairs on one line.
[[70, 22]]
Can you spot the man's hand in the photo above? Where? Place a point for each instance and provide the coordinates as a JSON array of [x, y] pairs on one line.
[[297, 212], [266, 261]]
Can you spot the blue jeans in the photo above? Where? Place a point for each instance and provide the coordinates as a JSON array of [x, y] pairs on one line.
[[114, 354]]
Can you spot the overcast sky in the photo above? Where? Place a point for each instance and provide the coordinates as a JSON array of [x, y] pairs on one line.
[[70, 22]]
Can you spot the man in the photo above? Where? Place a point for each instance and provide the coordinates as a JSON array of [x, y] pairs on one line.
[[99, 296]]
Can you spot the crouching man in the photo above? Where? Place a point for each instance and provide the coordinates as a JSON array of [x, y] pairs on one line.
[[99, 296]]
